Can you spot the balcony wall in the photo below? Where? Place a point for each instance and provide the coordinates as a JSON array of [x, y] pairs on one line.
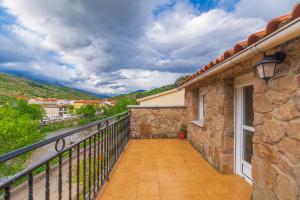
[[156, 121]]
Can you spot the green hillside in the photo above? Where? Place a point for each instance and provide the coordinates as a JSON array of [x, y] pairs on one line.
[[13, 86]]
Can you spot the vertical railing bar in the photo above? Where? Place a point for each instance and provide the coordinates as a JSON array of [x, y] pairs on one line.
[[7, 193], [118, 140], [104, 152], [90, 168], [84, 167], [122, 136], [30, 186], [109, 149], [118, 136], [94, 167], [98, 159], [70, 174], [107, 152], [60, 177], [102, 156], [113, 145], [78, 173], [47, 185]]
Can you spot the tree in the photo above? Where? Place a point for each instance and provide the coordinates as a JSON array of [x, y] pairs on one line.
[[71, 109], [36, 112], [180, 80], [19, 124], [121, 106], [86, 110]]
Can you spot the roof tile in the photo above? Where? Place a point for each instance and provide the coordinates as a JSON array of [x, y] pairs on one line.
[[254, 37], [274, 24]]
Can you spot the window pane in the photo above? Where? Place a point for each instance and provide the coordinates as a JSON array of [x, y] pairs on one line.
[[248, 147], [248, 106], [201, 107]]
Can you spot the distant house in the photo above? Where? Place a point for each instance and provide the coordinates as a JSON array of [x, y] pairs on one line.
[[64, 102], [79, 103], [43, 101], [172, 97], [55, 110], [53, 107], [110, 102]]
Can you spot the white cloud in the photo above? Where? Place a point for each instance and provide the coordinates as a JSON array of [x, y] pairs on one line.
[[119, 81], [111, 46], [266, 9], [192, 39]]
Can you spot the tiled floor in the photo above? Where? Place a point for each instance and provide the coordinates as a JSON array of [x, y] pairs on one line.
[[166, 169]]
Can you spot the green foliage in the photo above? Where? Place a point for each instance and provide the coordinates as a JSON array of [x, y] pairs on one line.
[[35, 111], [180, 80], [71, 109], [183, 128], [86, 111], [19, 124], [121, 106]]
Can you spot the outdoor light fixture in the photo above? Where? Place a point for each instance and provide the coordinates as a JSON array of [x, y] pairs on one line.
[[267, 66]]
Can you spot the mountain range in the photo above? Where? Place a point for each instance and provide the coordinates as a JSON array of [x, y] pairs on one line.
[[12, 86]]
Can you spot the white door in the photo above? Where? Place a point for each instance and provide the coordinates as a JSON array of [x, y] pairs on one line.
[[244, 131]]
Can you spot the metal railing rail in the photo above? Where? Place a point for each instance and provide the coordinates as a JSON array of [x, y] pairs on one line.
[[94, 155]]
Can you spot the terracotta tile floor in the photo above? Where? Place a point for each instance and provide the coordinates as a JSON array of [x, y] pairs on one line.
[[167, 169]]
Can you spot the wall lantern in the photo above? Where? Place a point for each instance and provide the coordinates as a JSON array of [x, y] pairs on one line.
[[267, 66]]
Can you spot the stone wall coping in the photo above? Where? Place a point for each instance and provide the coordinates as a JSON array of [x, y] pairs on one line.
[[158, 106]]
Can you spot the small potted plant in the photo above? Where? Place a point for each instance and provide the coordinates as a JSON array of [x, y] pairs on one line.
[[182, 132]]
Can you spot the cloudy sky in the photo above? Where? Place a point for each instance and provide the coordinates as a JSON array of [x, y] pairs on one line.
[[119, 46]]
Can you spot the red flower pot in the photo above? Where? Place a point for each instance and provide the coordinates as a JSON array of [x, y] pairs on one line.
[[181, 135]]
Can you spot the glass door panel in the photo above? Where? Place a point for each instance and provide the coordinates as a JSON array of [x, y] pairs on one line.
[[248, 146], [247, 131]]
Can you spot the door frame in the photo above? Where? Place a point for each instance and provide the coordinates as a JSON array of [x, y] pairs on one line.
[[240, 82]]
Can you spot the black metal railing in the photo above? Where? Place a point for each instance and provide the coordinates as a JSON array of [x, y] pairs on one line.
[[75, 170]]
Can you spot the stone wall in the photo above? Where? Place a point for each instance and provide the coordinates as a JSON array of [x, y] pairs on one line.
[[215, 139], [156, 122], [276, 160], [276, 141]]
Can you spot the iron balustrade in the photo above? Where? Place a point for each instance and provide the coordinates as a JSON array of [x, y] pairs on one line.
[[84, 165]]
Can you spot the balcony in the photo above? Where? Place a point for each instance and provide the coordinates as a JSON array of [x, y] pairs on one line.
[[169, 169], [105, 164]]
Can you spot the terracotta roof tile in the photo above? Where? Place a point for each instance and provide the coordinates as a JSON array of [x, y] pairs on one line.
[[228, 53], [254, 37], [240, 46], [296, 12], [272, 26]]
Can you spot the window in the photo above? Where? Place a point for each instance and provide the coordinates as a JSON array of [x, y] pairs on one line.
[[199, 121], [201, 107]]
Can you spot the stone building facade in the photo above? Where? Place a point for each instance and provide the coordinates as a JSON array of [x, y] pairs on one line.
[[156, 121], [215, 138], [276, 121], [240, 123]]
